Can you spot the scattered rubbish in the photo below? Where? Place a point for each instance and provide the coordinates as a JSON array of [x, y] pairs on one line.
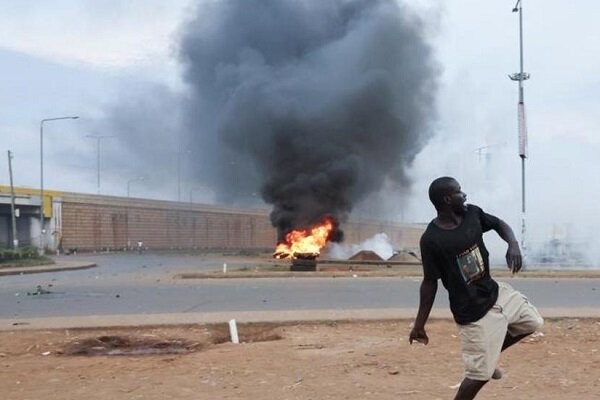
[[537, 334], [310, 346], [39, 291], [299, 381], [394, 372], [46, 353], [20, 323]]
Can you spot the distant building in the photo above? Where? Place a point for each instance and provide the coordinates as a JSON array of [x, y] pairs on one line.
[[85, 222]]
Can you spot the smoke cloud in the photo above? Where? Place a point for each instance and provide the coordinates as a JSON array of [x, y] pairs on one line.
[[311, 105], [380, 243]]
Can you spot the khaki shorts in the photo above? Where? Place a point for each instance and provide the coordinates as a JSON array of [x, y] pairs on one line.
[[481, 341]]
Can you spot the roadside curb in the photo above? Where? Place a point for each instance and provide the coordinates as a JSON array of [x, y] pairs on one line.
[[385, 273], [45, 268], [148, 320]]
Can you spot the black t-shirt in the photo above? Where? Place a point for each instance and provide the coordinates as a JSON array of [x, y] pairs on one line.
[[459, 258]]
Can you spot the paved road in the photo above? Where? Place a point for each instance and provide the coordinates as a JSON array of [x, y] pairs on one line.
[[143, 285]]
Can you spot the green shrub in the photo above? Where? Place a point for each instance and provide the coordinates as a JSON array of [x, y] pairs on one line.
[[18, 254], [29, 252]]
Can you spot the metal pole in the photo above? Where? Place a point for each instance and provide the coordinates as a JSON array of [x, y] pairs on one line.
[[42, 251], [12, 202], [522, 101], [42, 186], [98, 164], [179, 175], [522, 126], [523, 230], [98, 140], [521, 94]]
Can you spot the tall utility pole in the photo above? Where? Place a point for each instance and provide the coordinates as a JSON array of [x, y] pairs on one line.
[[520, 77], [98, 139], [42, 229], [12, 202]]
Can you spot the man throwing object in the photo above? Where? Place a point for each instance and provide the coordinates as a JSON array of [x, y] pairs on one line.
[[490, 316]]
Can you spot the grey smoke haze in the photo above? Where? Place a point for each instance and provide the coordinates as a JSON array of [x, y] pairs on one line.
[[312, 104]]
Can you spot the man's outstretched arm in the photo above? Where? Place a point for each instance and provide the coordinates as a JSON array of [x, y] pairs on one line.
[[514, 260], [427, 297]]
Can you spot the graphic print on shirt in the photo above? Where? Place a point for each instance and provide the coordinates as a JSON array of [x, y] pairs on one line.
[[470, 264]]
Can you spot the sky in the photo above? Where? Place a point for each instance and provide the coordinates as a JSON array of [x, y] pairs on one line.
[[110, 62]]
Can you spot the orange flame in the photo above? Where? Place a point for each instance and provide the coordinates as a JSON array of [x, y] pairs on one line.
[[307, 241]]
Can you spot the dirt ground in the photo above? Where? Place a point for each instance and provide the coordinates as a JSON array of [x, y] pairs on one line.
[[328, 360]]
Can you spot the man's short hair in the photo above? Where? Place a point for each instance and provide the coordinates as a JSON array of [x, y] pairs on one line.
[[439, 188]]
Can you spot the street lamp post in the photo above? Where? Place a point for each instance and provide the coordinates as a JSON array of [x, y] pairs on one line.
[[520, 77], [42, 230], [129, 182], [12, 203], [98, 139]]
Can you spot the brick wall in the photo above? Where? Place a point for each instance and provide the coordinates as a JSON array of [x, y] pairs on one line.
[[92, 222]]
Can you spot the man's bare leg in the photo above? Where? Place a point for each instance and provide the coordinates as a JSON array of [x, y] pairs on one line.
[[510, 340], [468, 389]]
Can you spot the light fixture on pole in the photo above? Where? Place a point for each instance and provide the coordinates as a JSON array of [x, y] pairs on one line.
[[520, 77], [98, 139], [42, 230], [129, 182]]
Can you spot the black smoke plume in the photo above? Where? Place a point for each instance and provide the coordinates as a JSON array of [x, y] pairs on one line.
[[311, 104]]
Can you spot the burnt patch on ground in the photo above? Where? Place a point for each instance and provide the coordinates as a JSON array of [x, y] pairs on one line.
[[117, 344], [129, 346]]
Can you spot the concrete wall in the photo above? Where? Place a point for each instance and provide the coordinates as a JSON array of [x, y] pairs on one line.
[[92, 222]]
